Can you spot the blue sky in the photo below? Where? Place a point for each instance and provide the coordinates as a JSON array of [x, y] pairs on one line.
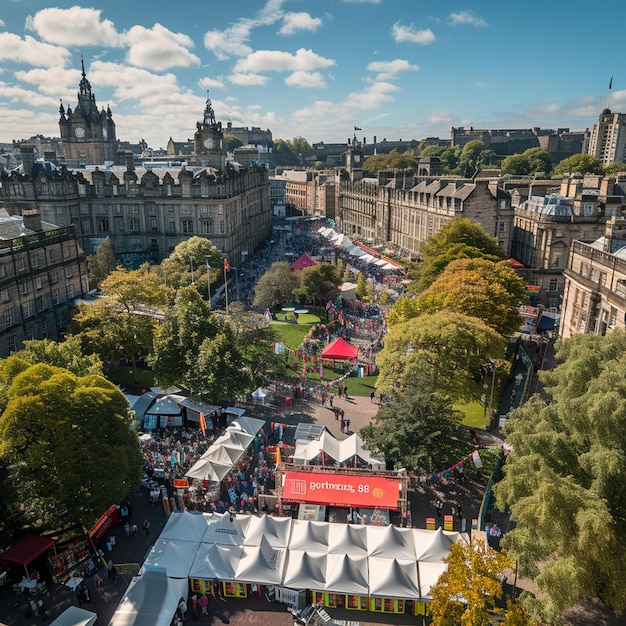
[[397, 69]]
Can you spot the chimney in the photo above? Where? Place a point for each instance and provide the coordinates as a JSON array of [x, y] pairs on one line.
[[28, 157], [31, 219], [51, 156]]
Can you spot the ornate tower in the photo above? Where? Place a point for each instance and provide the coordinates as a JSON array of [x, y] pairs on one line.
[[87, 135], [208, 140], [354, 159]]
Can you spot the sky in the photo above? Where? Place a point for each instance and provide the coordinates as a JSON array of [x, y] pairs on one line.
[[393, 69]]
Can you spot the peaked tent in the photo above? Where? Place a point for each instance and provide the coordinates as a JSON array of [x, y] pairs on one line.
[[74, 616], [305, 570], [215, 561], [185, 526], [340, 350], [175, 556], [303, 262], [27, 550], [347, 573], [393, 578]]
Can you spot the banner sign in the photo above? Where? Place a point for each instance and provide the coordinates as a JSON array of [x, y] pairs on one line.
[[344, 490]]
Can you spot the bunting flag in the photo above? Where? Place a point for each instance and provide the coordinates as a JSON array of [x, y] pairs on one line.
[[278, 456], [202, 424], [226, 265], [476, 459]]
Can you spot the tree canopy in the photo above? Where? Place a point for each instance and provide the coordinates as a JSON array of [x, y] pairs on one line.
[[480, 288], [66, 441], [529, 162], [579, 163], [393, 160], [318, 282], [101, 263], [67, 354], [416, 430], [445, 348], [276, 286], [565, 480]]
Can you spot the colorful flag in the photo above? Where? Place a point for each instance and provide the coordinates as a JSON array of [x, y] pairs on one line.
[[278, 456], [226, 264], [202, 424], [357, 128], [208, 266]]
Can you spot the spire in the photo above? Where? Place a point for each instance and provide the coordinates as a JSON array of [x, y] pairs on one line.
[[209, 113], [61, 109], [84, 90]]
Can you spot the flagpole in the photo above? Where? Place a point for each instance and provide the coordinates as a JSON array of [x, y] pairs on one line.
[[226, 285], [208, 280]]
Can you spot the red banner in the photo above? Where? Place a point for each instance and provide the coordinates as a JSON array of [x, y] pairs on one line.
[[342, 489], [181, 483]]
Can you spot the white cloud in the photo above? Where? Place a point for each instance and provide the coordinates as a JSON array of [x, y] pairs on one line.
[[58, 81], [248, 79], [412, 35], [2, 24], [16, 123], [278, 61], [466, 17], [158, 48], [294, 22], [438, 117], [76, 26], [31, 51], [305, 79], [390, 69], [19, 95], [210, 83]]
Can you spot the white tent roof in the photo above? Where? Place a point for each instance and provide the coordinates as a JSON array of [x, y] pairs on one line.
[[355, 250], [386, 540], [166, 405], [74, 616], [347, 539], [305, 570], [175, 556], [185, 526], [309, 535], [347, 573], [207, 469], [368, 258], [275, 530], [432, 547], [222, 531], [340, 451], [393, 578], [150, 600], [250, 425], [215, 561], [428, 575], [380, 262], [259, 392], [261, 564]]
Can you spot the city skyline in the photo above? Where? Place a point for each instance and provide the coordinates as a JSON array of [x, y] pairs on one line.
[[317, 70]]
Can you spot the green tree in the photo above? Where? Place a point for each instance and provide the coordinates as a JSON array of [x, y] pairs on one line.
[[393, 160], [516, 164], [67, 442], [284, 154], [615, 168], [318, 282], [531, 161], [480, 288], [67, 354], [195, 251], [580, 164], [565, 481], [470, 155], [445, 348], [466, 593], [188, 322], [122, 323], [276, 286], [232, 143], [361, 286], [450, 158], [101, 263], [416, 430]]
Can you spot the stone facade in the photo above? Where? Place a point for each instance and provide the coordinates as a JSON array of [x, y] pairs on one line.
[[608, 138], [42, 272], [594, 298]]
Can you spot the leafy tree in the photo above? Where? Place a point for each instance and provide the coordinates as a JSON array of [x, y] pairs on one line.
[[393, 160], [530, 161], [67, 442], [470, 155], [615, 168], [67, 354], [196, 251], [101, 263], [450, 158], [361, 286], [416, 430], [480, 288], [231, 143], [318, 282], [579, 163], [284, 153], [466, 592], [276, 286], [516, 164], [565, 480], [445, 348], [122, 323], [177, 340]]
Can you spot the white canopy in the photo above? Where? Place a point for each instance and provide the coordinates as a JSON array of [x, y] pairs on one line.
[[150, 600], [185, 526], [355, 250], [347, 539], [275, 530], [309, 535], [215, 561], [368, 258], [385, 540], [260, 394], [261, 564], [306, 569], [393, 578], [74, 616], [175, 556], [347, 573], [434, 546], [341, 451], [428, 576], [223, 531]]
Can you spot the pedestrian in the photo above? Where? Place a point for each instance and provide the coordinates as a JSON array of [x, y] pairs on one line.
[[372, 396], [134, 530], [109, 568], [182, 608], [33, 608], [203, 601], [438, 504], [330, 400], [347, 430], [195, 608], [99, 582], [146, 526], [41, 609], [79, 595], [85, 594], [113, 573], [343, 425], [127, 528], [459, 509]]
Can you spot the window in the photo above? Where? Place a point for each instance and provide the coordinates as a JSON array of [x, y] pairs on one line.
[[3, 270], [26, 310], [222, 227], [54, 277], [171, 227], [187, 226], [103, 225], [21, 264], [206, 227], [501, 226], [38, 282], [55, 297], [40, 303], [34, 259], [70, 291], [86, 226], [12, 344], [554, 284], [133, 225], [153, 225], [7, 317], [24, 288], [68, 272], [4, 295]]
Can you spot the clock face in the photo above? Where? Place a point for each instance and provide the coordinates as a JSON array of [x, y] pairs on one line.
[[208, 144], [79, 132]]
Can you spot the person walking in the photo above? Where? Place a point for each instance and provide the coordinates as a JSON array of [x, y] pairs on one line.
[[347, 429], [146, 526], [182, 608], [203, 601]]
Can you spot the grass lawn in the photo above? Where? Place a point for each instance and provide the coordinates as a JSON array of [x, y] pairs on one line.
[[123, 375], [356, 386], [291, 334], [474, 414]]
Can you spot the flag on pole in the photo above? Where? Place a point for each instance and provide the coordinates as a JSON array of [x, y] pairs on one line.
[[611, 83], [278, 456], [226, 264], [357, 128], [208, 265], [202, 424]]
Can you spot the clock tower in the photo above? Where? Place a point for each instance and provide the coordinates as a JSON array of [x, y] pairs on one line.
[[87, 135], [208, 140]]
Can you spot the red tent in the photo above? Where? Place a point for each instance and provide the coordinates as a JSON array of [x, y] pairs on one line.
[[340, 350], [304, 261], [27, 550]]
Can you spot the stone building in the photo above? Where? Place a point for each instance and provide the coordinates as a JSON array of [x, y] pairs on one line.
[[87, 134], [42, 272], [608, 138], [594, 300]]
